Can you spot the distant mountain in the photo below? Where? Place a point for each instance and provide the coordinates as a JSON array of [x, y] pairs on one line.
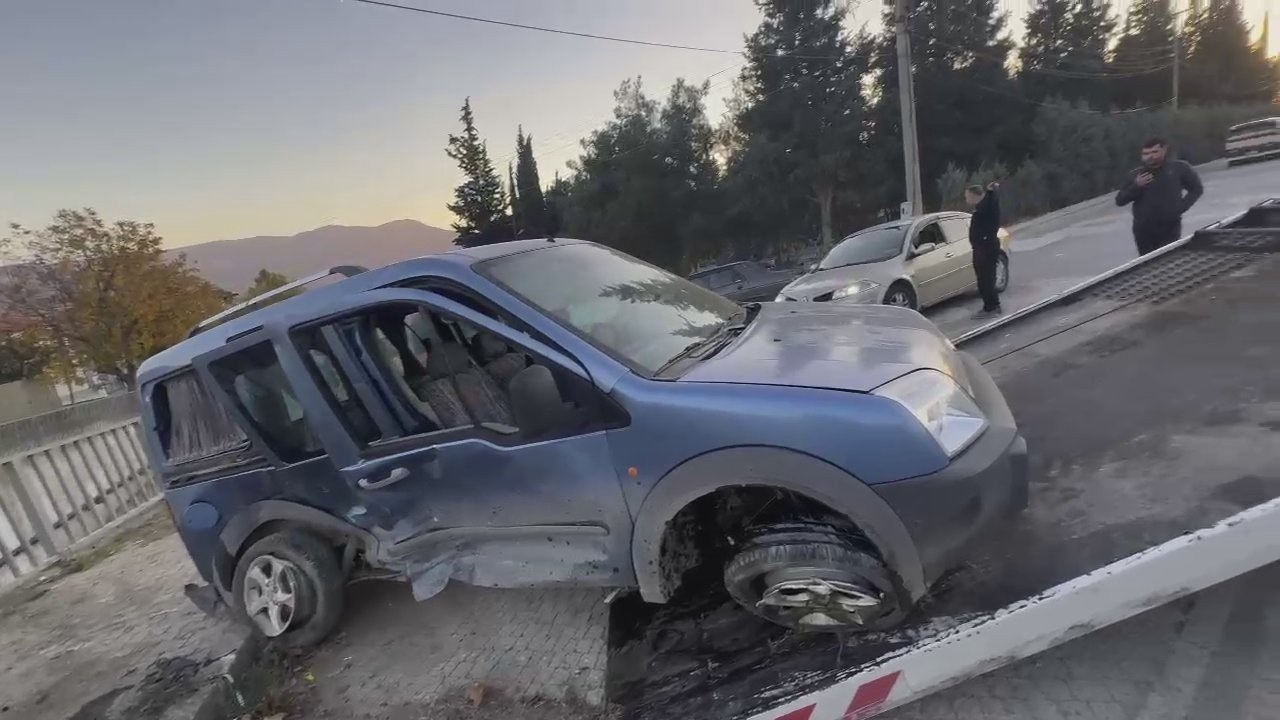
[[232, 264]]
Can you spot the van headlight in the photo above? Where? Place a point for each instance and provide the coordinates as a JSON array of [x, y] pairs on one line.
[[858, 288], [941, 406]]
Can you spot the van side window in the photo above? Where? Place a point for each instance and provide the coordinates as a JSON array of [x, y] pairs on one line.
[[190, 422], [543, 399], [322, 361], [419, 364], [254, 379]]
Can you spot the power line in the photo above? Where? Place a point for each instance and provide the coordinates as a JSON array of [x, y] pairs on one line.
[[555, 31], [593, 36], [1076, 74]]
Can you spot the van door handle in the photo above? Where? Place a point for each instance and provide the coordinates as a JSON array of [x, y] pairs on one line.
[[395, 476]]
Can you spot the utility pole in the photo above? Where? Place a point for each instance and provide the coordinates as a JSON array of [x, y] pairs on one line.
[[1177, 59], [907, 99]]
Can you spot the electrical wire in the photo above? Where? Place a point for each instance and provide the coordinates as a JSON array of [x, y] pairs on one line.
[[555, 31], [1082, 75]]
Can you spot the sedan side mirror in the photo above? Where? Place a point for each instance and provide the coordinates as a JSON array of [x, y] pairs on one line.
[[923, 248]]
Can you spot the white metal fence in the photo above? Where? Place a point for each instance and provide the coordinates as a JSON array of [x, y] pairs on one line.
[[59, 494]]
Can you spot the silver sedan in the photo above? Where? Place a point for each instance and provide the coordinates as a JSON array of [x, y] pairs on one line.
[[915, 263]]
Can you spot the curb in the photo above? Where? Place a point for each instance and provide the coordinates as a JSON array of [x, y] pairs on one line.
[[241, 687]]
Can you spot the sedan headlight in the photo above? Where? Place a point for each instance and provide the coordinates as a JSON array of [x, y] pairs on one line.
[[858, 288], [941, 406]]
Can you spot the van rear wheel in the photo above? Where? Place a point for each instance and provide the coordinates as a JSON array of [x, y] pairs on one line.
[[289, 587]]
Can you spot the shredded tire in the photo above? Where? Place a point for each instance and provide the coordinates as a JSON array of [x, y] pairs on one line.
[[745, 573]]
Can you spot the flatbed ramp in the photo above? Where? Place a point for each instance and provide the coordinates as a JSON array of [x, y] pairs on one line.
[[1151, 404]]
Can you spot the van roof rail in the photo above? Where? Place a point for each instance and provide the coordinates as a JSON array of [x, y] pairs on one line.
[[258, 301]]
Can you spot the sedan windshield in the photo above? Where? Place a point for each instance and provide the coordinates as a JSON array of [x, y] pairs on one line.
[[638, 313], [872, 246]]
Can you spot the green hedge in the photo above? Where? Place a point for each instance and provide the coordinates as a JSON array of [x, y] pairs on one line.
[[1077, 155]]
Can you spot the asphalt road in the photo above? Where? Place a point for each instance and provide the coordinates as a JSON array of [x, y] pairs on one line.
[[1065, 248]]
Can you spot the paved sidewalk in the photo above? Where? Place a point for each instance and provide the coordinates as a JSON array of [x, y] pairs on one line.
[[394, 657], [1212, 656], [117, 640]]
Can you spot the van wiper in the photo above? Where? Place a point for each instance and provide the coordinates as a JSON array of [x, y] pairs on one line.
[[713, 343]]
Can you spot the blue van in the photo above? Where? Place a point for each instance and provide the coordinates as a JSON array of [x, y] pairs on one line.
[[554, 412]]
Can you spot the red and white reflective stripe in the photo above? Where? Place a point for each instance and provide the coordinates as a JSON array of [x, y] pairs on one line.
[[868, 699], [1243, 542]]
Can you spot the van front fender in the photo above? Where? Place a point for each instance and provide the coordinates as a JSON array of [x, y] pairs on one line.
[[770, 467]]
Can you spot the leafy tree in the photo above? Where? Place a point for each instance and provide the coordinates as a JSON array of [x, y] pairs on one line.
[[1142, 61], [478, 200], [801, 121], [530, 206], [23, 356], [105, 293], [264, 282], [1222, 65], [646, 181]]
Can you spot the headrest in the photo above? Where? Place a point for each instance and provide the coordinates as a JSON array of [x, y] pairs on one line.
[[491, 347]]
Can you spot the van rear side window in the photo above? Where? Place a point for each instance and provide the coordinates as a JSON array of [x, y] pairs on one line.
[[191, 423], [254, 379]]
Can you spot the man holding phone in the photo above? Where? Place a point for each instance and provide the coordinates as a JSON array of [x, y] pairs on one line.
[[1161, 191]]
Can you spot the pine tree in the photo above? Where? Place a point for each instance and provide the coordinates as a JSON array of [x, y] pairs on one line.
[[1223, 66], [1141, 64], [479, 200], [1045, 49], [532, 206], [1089, 31]]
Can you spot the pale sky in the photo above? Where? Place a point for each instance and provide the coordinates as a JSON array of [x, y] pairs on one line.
[[227, 118]]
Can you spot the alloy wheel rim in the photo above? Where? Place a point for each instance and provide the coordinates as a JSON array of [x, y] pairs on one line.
[[271, 594], [820, 602]]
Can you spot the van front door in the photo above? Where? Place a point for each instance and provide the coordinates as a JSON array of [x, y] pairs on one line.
[[474, 484]]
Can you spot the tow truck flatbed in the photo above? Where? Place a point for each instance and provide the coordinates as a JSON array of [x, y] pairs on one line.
[[1150, 403]]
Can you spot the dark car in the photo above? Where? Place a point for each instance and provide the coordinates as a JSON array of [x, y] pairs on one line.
[[547, 412], [745, 281]]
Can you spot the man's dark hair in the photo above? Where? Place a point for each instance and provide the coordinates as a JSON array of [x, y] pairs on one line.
[[974, 189], [1154, 142]]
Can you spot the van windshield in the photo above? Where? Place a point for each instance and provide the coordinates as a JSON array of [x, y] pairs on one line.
[[640, 314]]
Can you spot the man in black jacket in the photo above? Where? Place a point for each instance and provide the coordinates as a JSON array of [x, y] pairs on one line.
[[1157, 192], [984, 229]]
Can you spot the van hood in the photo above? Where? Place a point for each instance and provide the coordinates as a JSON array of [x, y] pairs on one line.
[[840, 347]]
